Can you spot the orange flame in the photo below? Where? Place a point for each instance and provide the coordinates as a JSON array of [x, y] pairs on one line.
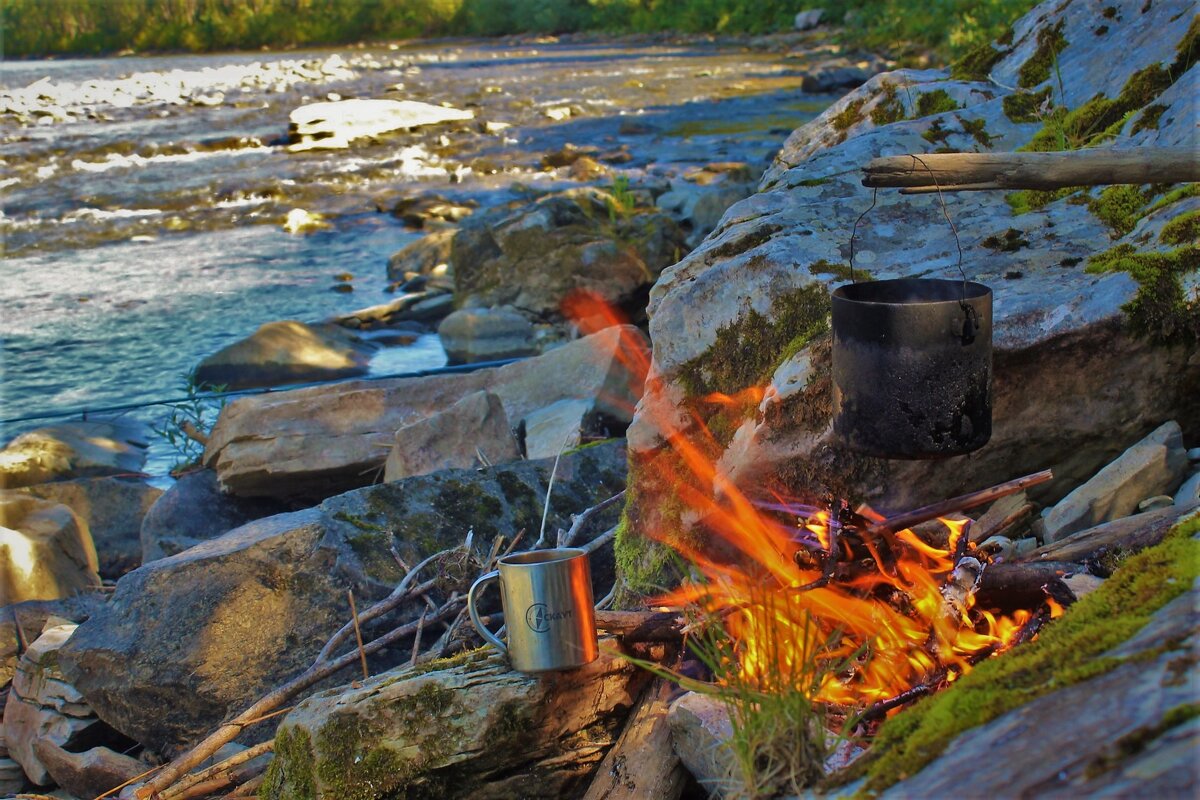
[[895, 625]]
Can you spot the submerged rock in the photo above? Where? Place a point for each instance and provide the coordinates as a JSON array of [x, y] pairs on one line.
[[72, 450], [324, 439], [188, 640], [286, 352], [333, 125]]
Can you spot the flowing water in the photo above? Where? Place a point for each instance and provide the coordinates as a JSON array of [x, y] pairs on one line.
[[143, 197]]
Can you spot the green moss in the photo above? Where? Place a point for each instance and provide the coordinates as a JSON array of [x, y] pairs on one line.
[[1160, 309], [465, 505], [1022, 107], [848, 117], [1148, 121], [1138, 740], [936, 133], [1027, 200], [1119, 207], [1068, 651], [841, 271], [977, 64], [889, 108], [975, 128], [1012, 241], [747, 351], [356, 759], [290, 775], [938, 101], [1100, 118], [358, 521], [1050, 42], [813, 182], [1187, 51], [1181, 230], [1174, 196]]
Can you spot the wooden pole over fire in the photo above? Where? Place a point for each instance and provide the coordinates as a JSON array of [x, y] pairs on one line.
[[955, 172]]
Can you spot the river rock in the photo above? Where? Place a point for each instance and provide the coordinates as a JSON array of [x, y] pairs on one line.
[[1189, 492], [471, 335], [286, 352], [72, 450], [187, 640], [700, 728], [560, 426], [46, 551], [1117, 735], [1153, 466], [324, 439], [195, 510], [473, 729], [42, 705], [422, 256], [807, 20], [90, 773], [333, 125], [112, 509], [472, 430], [699, 206], [747, 307], [417, 211], [33, 616], [535, 255]]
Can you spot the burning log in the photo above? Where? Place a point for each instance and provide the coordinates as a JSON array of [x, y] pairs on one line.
[[962, 502], [1008, 587]]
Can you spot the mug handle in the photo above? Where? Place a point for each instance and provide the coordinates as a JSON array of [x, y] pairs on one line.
[[475, 620]]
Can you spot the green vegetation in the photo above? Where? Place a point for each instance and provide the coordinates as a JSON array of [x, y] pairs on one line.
[[32, 28], [1012, 241], [748, 351], [1067, 652], [1160, 309], [936, 102], [889, 108], [194, 415], [1026, 106], [1119, 207], [1050, 42], [1181, 230]]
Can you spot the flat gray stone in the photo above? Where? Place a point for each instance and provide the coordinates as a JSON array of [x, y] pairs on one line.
[[472, 432], [486, 334]]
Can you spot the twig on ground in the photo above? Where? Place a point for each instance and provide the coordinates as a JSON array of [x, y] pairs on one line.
[[578, 521], [204, 775], [358, 633], [416, 648], [541, 540]]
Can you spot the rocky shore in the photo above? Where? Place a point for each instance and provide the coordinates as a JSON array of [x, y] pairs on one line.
[[619, 323]]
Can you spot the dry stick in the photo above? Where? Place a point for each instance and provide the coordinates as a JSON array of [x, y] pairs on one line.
[[358, 633], [228, 731], [385, 605], [237, 759], [132, 780], [247, 789], [541, 540], [581, 519], [416, 649], [600, 541], [960, 503], [220, 782]]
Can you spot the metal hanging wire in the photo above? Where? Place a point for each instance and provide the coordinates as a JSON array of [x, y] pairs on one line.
[[970, 320]]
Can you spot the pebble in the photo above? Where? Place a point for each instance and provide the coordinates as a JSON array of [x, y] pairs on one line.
[[1158, 501], [1194, 455]]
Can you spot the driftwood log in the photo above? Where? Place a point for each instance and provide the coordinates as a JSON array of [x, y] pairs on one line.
[[643, 763], [1128, 534], [1008, 587], [1089, 167]]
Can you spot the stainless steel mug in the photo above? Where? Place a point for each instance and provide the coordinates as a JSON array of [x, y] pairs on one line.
[[548, 609]]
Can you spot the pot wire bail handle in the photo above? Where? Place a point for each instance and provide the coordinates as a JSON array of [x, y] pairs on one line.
[[970, 319]]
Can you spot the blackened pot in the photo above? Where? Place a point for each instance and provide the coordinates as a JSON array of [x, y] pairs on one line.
[[912, 367]]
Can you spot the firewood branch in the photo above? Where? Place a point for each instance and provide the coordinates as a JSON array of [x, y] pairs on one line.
[[582, 519]]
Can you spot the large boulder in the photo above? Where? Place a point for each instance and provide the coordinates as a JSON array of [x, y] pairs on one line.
[[334, 125], [195, 510], [1086, 358], [190, 639], [72, 450], [287, 352], [113, 509], [471, 432], [321, 440], [471, 335], [46, 551], [534, 256]]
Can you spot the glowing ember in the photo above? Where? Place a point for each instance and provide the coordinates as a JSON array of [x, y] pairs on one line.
[[896, 607]]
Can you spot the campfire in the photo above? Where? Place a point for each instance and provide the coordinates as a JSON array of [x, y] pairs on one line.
[[889, 605]]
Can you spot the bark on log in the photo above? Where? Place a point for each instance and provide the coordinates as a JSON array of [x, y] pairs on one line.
[[473, 729], [642, 764], [1007, 587], [961, 503], [1090, 167], [1128, 534], [642, 626]]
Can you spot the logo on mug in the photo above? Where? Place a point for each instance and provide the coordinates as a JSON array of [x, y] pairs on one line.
[[538, 617]]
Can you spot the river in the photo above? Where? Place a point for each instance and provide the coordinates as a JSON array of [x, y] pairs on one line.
[[143, 196]]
